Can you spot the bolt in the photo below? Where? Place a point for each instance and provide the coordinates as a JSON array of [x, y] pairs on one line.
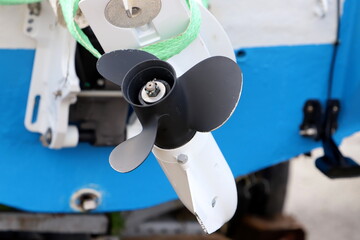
[[213, 203], [57, 93], [46, 138], [311, 131], [100, 82], [335, 108], [29, 29], [34, 9], [152, 89], [85, 200], [89, 204], [151, 86], [182, 158], [88, 201], [310, 108]]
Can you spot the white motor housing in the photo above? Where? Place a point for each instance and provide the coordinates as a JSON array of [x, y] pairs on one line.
[[202, 179]]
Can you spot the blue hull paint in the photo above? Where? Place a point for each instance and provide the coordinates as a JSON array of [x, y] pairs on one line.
[[263, 130]]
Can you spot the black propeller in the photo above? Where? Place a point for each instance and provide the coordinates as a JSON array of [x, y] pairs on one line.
[[170, 109]]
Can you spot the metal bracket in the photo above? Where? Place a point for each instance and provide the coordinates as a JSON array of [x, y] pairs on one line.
[[171, 21], [311, 125], [54, 83], [322, 127]]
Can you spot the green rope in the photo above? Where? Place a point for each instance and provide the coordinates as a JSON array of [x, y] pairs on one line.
[[163, 50], [172, 46], [205, 3], [69, 9]]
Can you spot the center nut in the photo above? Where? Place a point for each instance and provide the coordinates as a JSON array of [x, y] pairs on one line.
[[153, 91]]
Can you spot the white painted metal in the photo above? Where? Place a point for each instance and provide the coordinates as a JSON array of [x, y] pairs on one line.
[[323, 8], [249, 23], [204, 182], [113, 38], [54, 81], [12, 28], [259, 23], [212, 41], [171, 21]]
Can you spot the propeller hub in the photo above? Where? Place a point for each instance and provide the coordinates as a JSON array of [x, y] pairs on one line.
[[153, 91]]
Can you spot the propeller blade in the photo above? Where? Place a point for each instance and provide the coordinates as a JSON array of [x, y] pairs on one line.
[[212, 89], [130, 154], [114, 65]]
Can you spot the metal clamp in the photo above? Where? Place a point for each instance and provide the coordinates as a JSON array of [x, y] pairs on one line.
[[322, 127]]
